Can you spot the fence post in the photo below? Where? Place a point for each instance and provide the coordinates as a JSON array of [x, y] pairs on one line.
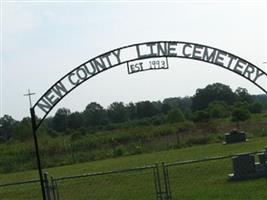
[[47, 187], [157, 182], [165, 170], [54, 189], [168, 182]]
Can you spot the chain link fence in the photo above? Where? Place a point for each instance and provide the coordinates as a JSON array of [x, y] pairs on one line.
[[188, 180], [135, 183], [29, 190], [209, 179]]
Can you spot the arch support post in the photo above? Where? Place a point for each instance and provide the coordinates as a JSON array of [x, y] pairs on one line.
[[34, 128]]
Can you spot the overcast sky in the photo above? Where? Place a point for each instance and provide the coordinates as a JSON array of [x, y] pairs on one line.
[[42, 41]]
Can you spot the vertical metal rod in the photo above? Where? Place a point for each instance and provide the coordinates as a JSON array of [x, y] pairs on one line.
[[47, 186], [165, 182], [168, 181], [158, 180], [53, 188], [58, 198], [37, 153], [156, 183]]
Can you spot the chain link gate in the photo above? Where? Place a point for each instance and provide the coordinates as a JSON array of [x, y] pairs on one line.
[[162, 183], [159, 173], [51, 188], [201, 179]]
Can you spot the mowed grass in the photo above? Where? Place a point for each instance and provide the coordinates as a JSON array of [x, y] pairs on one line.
[[206, 180]]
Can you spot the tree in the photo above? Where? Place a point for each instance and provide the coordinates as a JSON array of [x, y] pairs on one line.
[[183, 103], [7, 125], [243, 95], [75, 120], [94, 115], [218, 109], [117, 112], [201, 116], [256, 107], [240, 113], [157, 105], [214, 92], [60, 120], [173, 102], [145, 109], [131, 110], [165, 108], [261, 98], [175, 115], [23, 131]]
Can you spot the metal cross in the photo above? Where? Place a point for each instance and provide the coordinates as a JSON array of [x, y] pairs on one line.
[[29, 94]]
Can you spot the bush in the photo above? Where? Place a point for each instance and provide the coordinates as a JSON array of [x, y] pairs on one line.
[[52, 133], [175, 115], [135, 148], [165, 130], [185, 126], [218, 109], [119, 151], [201, 116], [77, 135], [158, 120], [240, 113], [198, 140], [256, 107]]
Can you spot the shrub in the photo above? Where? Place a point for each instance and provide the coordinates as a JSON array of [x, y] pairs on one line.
[[218, 109], [256, 107], [77, 135], [201, 116], [52, 133], [198, 140], [240, 113], [175, 115], [119, 151], [158, 120]]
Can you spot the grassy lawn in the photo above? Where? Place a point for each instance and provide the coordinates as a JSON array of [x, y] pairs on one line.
[[208, 180], [193, 181]]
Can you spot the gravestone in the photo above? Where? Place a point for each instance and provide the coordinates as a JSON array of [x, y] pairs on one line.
[[234, 136], [243, 166], [261, 167], [262, 158]]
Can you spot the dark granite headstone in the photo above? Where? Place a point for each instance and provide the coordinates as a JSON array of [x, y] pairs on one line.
[[235, 136], [243, 164], [262, 158]]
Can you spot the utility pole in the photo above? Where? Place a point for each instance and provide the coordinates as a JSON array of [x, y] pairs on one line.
[[29, 94]]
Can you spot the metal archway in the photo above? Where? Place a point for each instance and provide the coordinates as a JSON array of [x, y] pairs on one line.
[[143, 51], [152, 56]]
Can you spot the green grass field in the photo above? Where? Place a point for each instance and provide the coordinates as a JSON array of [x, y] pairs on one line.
[[207, 180]]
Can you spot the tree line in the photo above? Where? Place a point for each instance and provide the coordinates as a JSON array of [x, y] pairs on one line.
[[212, 102]]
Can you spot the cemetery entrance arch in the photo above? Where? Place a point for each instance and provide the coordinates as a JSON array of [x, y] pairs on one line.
[[140, 57]]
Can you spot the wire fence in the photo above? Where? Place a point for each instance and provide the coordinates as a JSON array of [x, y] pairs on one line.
[[210, 179], [29, 190], [187, 180], [135, 183]]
